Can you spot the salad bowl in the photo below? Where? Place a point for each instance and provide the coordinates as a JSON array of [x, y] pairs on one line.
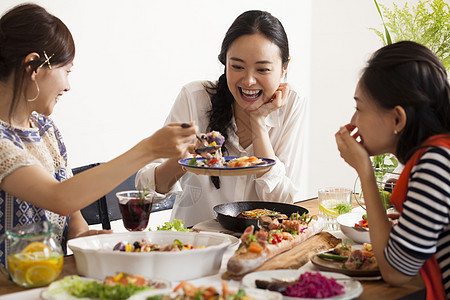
[[347, 225], [95, 258]]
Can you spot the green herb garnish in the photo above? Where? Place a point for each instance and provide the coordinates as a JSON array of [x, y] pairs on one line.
[[192, 162], [142, 194], [343, 208], [251, 238]]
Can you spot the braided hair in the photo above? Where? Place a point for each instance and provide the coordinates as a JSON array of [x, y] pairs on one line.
[[248, 23]]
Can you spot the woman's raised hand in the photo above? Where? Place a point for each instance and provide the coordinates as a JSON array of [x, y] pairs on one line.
[[279, 99], [352, 151], [172, 141]]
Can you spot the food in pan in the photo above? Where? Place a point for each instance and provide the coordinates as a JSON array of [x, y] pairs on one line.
[[258, 247], [261, 212]]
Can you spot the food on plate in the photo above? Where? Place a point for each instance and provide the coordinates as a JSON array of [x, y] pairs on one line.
[[353, 259], [187, 291], [35, 265], [363, 222], [258, 247], [308, 285], [210, 149], [120, 286], [146, 246], [244, 161], [393, 218], [218, 161]]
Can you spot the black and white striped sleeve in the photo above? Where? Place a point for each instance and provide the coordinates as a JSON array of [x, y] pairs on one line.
[[425, 217]]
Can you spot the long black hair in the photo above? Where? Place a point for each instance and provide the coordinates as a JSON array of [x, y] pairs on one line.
[[410, 75], [250, 22]]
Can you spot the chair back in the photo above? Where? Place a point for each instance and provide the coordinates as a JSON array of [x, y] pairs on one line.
[[106, 209], [97, 212]]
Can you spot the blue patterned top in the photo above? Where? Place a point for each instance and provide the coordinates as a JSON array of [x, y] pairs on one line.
[[40, 145]]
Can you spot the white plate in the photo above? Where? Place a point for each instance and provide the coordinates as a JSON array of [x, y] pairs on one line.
[[352, 288], [95, 258], [256, 294], [63, 295]]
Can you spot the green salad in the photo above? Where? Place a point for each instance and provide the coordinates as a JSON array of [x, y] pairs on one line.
[[79, 288], [176, 225]]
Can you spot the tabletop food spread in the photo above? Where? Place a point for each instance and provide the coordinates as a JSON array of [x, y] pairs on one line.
[[286, 256]]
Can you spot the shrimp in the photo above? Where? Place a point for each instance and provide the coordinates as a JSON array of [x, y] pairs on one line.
[[188, 288]]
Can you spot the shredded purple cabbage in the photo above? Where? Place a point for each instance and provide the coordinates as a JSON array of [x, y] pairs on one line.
[[311, 285]]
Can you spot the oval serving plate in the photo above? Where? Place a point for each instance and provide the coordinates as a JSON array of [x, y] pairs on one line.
[[335, 266], [225, 171], [352, 288]]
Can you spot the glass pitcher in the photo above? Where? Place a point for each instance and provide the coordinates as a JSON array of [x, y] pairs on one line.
[[35, 257]]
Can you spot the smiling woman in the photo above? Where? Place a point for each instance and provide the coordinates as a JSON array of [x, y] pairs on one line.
[[258, 115], [36, 183]]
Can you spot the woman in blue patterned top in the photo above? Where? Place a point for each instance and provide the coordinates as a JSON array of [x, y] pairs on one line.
[[36, 184]]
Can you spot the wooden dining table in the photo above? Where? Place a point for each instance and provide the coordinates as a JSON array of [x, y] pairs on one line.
[[373, 289]]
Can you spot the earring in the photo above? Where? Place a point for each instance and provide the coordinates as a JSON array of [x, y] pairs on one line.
[[37, 95], [395, 131]]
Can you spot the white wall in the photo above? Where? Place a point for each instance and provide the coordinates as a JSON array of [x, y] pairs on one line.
[[134, 56]]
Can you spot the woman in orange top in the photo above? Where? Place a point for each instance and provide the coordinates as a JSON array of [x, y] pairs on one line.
[[403, 107]]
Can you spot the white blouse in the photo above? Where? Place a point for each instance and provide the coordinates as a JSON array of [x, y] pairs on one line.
[[196, 195]]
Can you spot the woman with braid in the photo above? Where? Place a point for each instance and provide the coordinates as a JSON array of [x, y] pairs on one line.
[[256, 113]]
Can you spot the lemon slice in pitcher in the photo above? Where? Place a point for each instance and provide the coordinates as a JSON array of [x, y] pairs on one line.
[[37, 247], [327, 207], [39, 275]]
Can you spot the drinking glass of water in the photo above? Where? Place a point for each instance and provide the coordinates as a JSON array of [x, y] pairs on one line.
[[334, 201]]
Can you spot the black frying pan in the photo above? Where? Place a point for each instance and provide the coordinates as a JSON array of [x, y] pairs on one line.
[[227, 212]]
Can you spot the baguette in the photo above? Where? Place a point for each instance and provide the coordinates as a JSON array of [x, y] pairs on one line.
[[258, 247]]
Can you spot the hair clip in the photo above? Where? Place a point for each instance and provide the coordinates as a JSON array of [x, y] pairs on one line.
[[47, 60]]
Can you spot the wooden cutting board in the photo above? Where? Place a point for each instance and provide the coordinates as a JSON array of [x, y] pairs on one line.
[[297, 256]]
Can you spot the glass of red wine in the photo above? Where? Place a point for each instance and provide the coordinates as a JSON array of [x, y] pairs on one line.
[[135, 207]]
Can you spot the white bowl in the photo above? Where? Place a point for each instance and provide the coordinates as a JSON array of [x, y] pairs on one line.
[[347, 222], [94, 257]]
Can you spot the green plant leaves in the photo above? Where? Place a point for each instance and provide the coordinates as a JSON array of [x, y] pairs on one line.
[[386, 32], [427, 23]]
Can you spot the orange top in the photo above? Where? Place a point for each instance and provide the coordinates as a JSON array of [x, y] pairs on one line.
[[430, 271]]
